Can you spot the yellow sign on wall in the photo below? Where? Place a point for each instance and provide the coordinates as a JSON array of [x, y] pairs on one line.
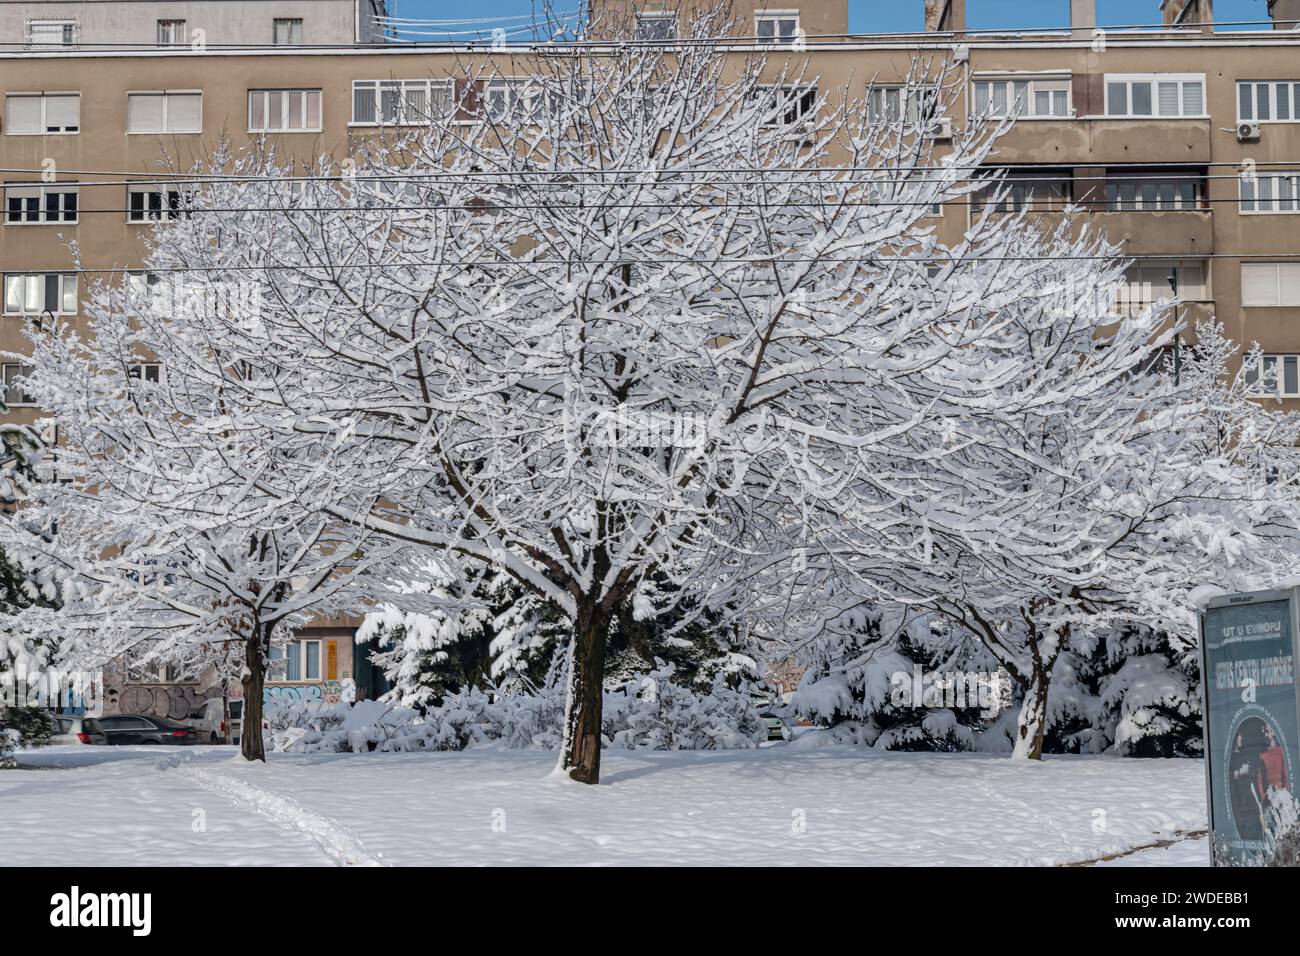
[[332, 661]]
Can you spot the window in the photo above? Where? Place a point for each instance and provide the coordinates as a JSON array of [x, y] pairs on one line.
[[35, 114], [776, 26], [1145, 282], [1270, 192], [1035, 97], [296, 661], [283, 111], [14, 393], [1275, 375], [145, 372], [399, 102], [1270, 284], [1042, 189], [1269, 101], [164, 111], [150, 203], [513, 101], [787, 106], [140, 290], [655, 26], [31, 203], [45, 33], [884, 104], [34, 293], [1155, 94], [171, 33], [287, 31], [1137, 190]]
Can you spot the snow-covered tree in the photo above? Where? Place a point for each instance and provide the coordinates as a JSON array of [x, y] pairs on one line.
[[1104, 498], [157, 540], [611, 330]]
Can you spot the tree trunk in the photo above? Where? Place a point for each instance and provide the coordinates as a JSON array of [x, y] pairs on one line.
[[251, 744], [580, 749], [1033, 714]]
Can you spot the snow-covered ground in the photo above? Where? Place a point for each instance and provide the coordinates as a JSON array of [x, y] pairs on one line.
[[777, 805]]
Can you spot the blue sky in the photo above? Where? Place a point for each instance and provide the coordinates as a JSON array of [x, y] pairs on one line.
[[866, 16]]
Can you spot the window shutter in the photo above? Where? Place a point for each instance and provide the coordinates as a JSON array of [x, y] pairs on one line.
[[62, 113], [144, 113], [363, 104], [1193, 98], [1168, 99], [1289, 292], [23, 114], [184, 112], [1259, 284]]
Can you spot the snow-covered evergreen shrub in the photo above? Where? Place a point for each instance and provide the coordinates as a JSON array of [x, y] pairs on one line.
[[23, 727], [852, 687], [650, 712], [1127, 689], [483, 633]]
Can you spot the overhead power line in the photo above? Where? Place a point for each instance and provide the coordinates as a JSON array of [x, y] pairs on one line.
[[812, 175], [757, 260]]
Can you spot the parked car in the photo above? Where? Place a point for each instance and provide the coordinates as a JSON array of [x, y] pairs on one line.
[[77, 730], [209, 724], [768, 711], [144, 729]]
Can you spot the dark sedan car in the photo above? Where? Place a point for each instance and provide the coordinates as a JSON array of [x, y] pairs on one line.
[[143, 729]]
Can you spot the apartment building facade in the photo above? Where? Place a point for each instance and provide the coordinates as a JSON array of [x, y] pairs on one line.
[[1148, 132], [54, 25]]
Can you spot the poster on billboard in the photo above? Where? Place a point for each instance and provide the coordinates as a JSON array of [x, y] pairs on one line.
[[1252, 727]]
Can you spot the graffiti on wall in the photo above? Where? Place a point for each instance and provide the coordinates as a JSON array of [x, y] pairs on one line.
[[173, 701], [292, 692]]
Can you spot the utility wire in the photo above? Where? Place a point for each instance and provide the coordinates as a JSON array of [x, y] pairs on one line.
[[758, 260], [815, 176]]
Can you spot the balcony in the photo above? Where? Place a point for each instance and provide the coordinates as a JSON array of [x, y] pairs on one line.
[[1104, 141]]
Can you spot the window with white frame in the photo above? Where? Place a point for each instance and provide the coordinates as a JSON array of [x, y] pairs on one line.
[[787, 106], [1277, 375], [661, 25], [1270, 284], [776, 26], [35, 293], [145, 372], [1139, 190], [165, 111], [1272, 192], [885, 104], [1147, 281], [36, 203], [1268, 101], [15, 394], [296, 661], [287, 31], [153, 203], [1155, 94], [399, 102], [140, 288], [36, 114], [283, 111], [513, 101], [46, 33], [1032, 97], [171, 33]]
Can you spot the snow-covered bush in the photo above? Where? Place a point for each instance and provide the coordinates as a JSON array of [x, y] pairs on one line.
[[1127, 689], [650, 712], [23, 727], [861, 685]]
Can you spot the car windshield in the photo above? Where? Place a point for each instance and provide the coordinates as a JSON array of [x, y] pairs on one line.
[[91, 726], [236, 709]]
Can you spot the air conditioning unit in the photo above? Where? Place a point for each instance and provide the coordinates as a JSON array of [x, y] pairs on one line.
[[942, 128], [1247, 132]]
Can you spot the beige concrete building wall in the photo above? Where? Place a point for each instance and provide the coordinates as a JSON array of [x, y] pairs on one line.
[[222, 22]]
